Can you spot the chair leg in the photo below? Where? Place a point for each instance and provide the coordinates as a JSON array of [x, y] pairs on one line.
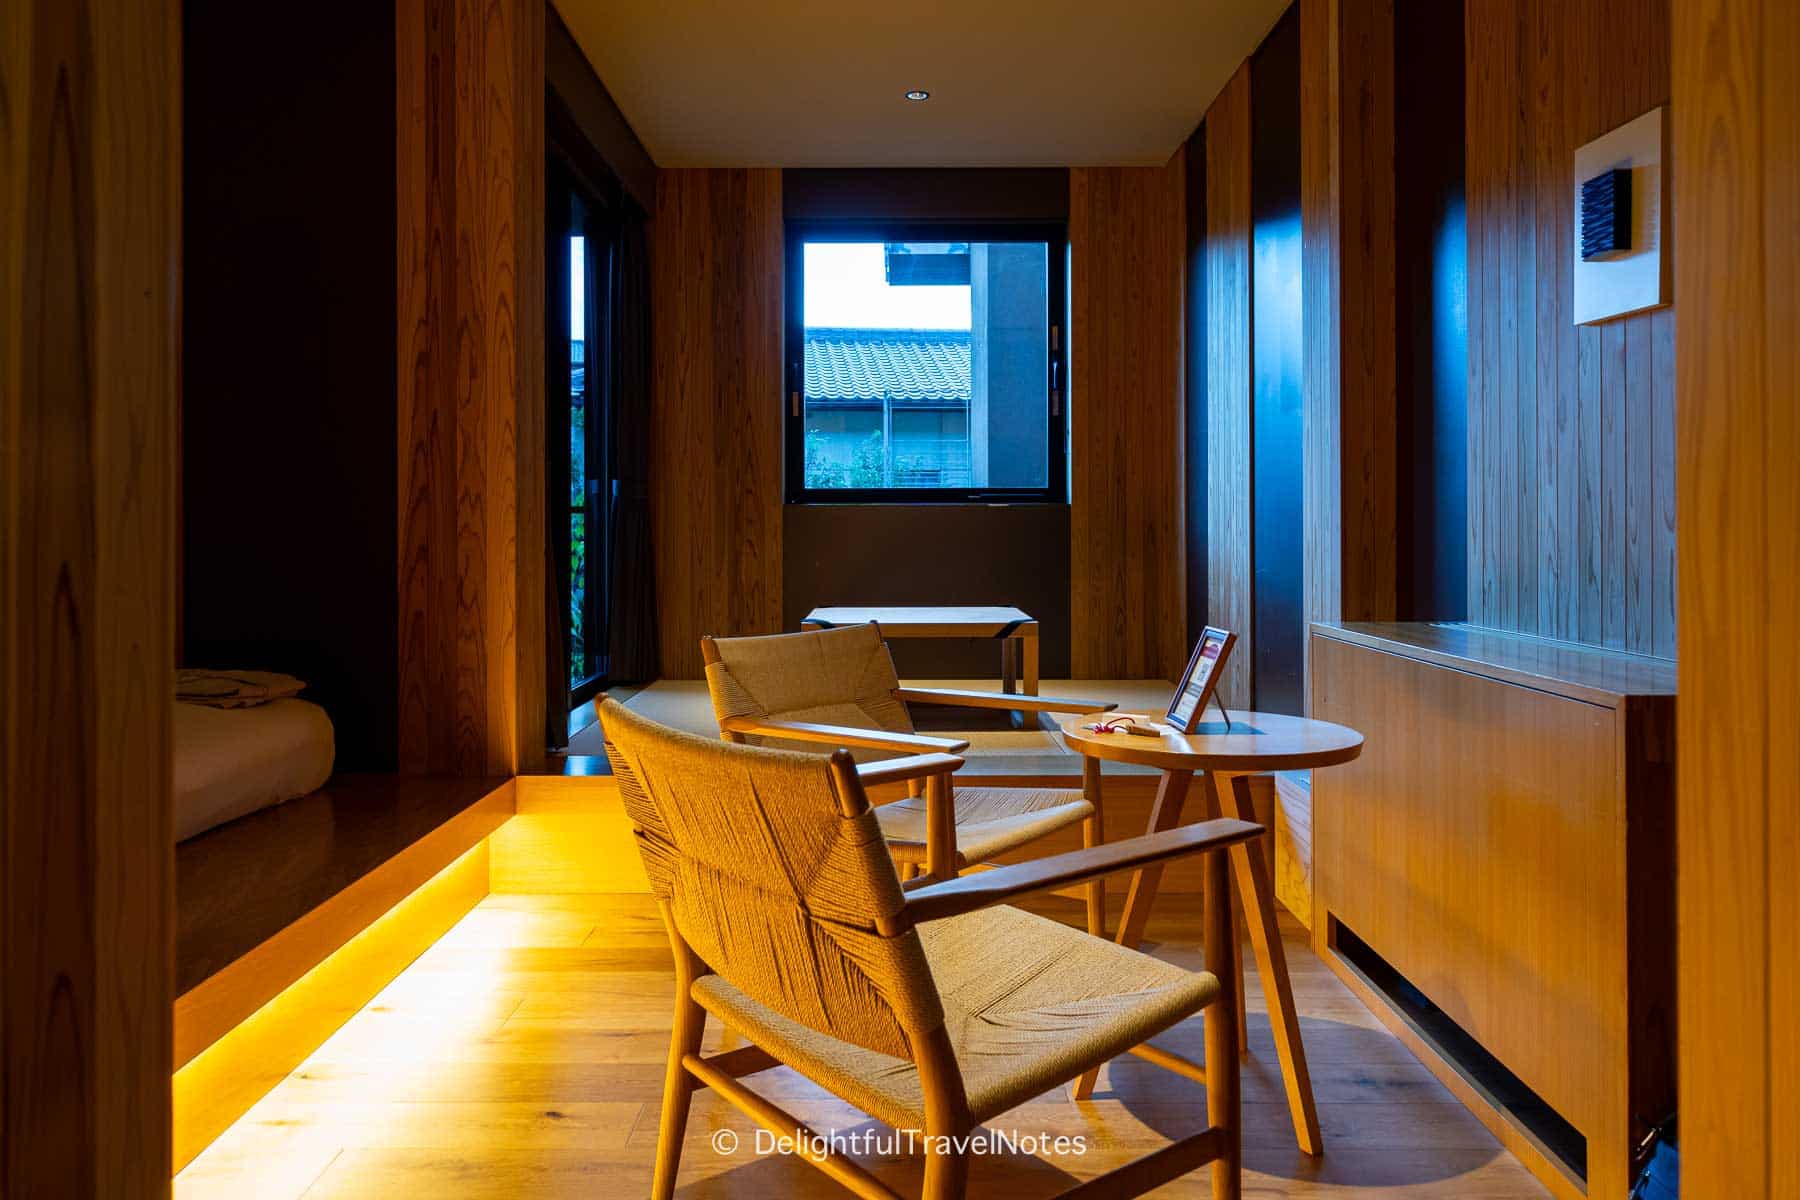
[[946, 1173], [908, 870], [678, 1086], [678, 1094], [940, 827]]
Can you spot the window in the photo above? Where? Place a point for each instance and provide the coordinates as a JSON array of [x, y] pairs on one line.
[[581, 235], [925, 363]]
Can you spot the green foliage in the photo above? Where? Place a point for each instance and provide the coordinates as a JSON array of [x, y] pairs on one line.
[[577, 595], [867, 468]]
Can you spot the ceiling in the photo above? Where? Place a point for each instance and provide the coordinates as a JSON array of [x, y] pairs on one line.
[[812, 83]]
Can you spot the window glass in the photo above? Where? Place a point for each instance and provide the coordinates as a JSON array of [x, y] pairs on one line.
[[926, 365]]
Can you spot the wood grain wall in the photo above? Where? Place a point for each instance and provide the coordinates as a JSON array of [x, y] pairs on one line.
[[1127, 504], [1228, 375], [1571, 430], [1347, 265], [470, 155], [716, 491], [1736, 143], [90, 162]]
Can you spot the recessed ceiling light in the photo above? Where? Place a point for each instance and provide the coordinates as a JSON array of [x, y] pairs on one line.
[[918, 94]]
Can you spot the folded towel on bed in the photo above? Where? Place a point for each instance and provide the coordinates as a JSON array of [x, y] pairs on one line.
[[234, 689]]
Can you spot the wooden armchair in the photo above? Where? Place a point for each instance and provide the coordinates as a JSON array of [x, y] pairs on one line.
[[933, 1009], [838, 687]]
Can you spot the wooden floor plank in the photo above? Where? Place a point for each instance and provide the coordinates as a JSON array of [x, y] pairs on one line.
[[523, 1056]]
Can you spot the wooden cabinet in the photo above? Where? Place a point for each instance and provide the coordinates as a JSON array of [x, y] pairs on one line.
[[1505, 847]]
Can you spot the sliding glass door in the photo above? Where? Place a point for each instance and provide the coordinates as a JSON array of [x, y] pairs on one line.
[[582, 236]]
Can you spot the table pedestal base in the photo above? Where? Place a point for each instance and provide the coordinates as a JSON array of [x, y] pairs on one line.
[[1257, 898]]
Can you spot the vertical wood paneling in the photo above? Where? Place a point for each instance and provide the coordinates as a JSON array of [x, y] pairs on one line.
[[469, 87], [525, 654], [90, 204], [1348, 309], [1780, 146], [1126, 520], [1564, 505], [1736, 141], [1555, 446], [716, 489], [426, 318], [1321, 167], [1228, 369], [1639, 486], [1662, 536], [1523, 591], [1365, 197]]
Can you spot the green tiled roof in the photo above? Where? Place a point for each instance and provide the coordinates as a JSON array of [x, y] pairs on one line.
[[921, 366]]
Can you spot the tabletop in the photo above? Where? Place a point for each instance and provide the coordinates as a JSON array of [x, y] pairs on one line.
[[1255, 742], [976, 620]]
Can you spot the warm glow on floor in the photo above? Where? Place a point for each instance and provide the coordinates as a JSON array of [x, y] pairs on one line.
[[224, 1080], [523, 1056]]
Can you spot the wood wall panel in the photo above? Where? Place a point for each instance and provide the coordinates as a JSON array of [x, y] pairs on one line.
[[470, 88], [1127, 573], [716, 490], [1569, 433], [90, 168], [1348, 308], [1228, 375], [523, 513], [1736, 143]]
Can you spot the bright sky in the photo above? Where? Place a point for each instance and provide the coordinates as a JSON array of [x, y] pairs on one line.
[[578, 286], [846, 285]]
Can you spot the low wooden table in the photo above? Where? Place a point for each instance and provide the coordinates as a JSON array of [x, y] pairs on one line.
[[1255, 744], [1016, 630]]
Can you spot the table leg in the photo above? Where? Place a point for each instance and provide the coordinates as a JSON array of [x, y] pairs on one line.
[[1029, 644], [1009, 665], [1257, 896], [1171, 794], [1209, 799], [1093, 833]]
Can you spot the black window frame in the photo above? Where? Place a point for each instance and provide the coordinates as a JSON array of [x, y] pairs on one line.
[[599, 200], [1053, 234]]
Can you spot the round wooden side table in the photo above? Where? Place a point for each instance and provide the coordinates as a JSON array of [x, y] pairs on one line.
[[1255, 743]]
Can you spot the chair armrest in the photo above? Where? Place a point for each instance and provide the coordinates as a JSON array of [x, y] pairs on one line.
[[846, 735], [966, 893], [1018, 703], [899, 770]]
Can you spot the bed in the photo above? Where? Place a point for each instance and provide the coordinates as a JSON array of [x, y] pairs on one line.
[[230, 762]]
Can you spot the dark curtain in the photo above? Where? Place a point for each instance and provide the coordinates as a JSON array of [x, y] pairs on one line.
[[631, 572], [558, 220]]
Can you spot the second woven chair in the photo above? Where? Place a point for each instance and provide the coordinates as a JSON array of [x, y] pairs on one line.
[[838, 687]]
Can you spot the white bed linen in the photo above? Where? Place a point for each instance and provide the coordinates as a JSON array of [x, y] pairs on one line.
[[233, 761]]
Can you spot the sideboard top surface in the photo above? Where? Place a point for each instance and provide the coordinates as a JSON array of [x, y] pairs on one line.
[[1587, 673]]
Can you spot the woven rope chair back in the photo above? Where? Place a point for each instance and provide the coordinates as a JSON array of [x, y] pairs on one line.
[[775, 880], [842, 676]]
